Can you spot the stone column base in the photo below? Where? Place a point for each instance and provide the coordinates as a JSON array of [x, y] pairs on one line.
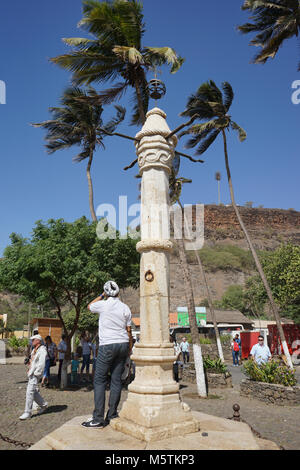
[[151, 417], [157, 433]]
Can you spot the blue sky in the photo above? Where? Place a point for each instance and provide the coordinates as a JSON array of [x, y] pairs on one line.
[[265, 168]]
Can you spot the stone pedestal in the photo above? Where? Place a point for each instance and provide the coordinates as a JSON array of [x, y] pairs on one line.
[[153, 409]]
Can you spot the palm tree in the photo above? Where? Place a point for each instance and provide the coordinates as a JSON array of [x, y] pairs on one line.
[[275, 21], [210, 105], [116, 52], [218, 179], [175, 192], [79, 122], [175, 186]]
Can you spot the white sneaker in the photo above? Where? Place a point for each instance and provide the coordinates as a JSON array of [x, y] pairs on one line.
[[43, 408], [25, 416], [35, 406]]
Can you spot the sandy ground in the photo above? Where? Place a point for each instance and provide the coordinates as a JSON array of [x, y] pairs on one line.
[[276, 423]]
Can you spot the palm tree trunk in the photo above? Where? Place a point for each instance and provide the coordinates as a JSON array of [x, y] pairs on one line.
[[210, 303], [140, 101], [219, 196], [256, 260], [90, 185], [198, 360]]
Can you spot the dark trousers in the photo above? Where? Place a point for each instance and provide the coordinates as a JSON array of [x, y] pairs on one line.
[[175, 371], [85, 363], [235, 357], [111, 359], [186, 356], [59, 369]]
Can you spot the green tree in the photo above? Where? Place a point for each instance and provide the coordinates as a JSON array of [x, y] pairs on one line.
[[233, 299], [65, 263], [115, 52], [282, 269], [87, 321], [255, 297], [78, 121], [209, 104], [275, 21]]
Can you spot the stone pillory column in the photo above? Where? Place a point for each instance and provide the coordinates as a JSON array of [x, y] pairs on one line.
[[153, 409]]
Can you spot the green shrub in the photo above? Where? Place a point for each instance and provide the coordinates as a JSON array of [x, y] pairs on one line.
[[273, 372], [205, 341], [16, 343], [225, 339], [24, 342], [224, 257], [214, 365]]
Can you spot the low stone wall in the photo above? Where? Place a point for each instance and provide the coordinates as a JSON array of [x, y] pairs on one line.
[[188, 374], [270, 393]]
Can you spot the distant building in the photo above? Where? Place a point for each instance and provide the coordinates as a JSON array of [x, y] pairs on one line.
[[48, 327], [226, 320]]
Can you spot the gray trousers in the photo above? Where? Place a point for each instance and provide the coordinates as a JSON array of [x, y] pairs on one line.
[[32, 394], [111, 359]]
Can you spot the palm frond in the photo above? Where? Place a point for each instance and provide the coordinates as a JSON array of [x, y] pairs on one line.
[[110, 94], [115, 121], [228, 95], [270, 50], [201, 130], [157, 56], [117, 22], [274, 21], [242, 133], [205, 144], [81, 156], [136, 117], [128, 54]]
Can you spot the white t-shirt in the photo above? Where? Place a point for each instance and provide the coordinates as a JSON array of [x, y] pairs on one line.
[[260, 353], [114, 317]]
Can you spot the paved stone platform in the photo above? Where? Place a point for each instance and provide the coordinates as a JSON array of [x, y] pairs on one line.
[[215, 434]]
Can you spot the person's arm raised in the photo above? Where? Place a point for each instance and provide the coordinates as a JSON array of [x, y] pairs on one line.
[[97, 299]]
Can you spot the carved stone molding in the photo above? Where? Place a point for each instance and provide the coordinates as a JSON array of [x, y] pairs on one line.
[[151, 244]]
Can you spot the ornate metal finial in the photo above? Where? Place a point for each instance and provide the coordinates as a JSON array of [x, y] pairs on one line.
[[156, 89]]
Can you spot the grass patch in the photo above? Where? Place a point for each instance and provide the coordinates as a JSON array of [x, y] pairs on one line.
[[224, 257]]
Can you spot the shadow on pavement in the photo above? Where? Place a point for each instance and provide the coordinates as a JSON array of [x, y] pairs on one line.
[[52, 409]]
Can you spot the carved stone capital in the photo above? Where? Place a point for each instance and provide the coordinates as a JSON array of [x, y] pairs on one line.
[[152, 148]]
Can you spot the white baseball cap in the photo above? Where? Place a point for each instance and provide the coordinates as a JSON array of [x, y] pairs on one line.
[[111, 288], [36, 337]]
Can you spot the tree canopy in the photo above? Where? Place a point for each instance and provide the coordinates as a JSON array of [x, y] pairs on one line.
[[282, 268], [65, 263], [114, 51]]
